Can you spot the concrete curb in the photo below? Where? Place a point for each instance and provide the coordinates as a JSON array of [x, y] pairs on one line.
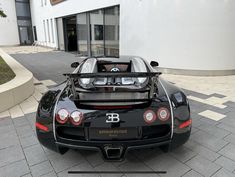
[[19, 88]]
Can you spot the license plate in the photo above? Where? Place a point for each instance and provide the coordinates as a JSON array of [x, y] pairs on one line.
[[112, 133]]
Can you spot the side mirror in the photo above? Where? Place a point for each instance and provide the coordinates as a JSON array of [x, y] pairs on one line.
[[154, 63], [75, 64]]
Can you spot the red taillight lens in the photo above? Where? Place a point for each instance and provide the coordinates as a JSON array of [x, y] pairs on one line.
[[185, 124], [62, 116], [163, 114], [76, 117], [41, 127], [149, 116]]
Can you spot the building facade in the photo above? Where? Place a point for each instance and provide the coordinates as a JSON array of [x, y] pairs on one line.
[[191, 37]]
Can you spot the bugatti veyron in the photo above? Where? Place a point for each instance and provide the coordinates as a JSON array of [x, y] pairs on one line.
[[113, 104]]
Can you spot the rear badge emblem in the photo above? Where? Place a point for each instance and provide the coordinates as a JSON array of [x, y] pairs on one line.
[[112, 118]]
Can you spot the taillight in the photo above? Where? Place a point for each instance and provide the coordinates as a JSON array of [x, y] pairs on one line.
[[62, 116], [163, 114], [186, 123], [149, 116], [76, 118]]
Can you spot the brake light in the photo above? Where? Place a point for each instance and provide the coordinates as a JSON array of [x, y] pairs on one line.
[[76, 118], [62, 116], [149, 116], [185, 124], [163, 114], [41, 127]]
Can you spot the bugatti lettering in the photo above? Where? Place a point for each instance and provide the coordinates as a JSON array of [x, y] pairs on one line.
[[112, 118], [112, 131]]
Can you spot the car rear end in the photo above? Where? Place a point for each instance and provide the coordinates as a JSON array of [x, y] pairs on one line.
[[113, 129]]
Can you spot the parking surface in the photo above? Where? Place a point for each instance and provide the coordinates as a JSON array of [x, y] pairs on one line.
[[209, 152]]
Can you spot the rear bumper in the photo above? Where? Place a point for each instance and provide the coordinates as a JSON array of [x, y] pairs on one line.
[[62, 145], [103, 150]]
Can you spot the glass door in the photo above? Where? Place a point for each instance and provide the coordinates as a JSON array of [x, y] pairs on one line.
[[25, 36]]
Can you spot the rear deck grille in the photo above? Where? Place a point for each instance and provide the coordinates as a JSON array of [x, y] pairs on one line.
[[76, 133], [155, 131]]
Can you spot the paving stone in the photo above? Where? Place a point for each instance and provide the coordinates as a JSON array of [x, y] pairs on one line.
[[203, 166], [4, 114], [20, 121], [144, 154], [106, 166], [194, 130], [41, 169], [48, 151], [230, 104], [9, 139], [129, 158], [15, 169], [212, 115], [223, 173], [229, 120], [192, 173], [16, 112], [34, 154], [27, 175], [208, 140], [6, 129], [51, 174], [11, 154], [226, 127], [215, 131], [201, 150], [136, 166], [230, 138], [228, 151], [28, 141], [93, 157], [183, 154], [85, 166], [165, 162], [5, 122], [217, 95], [68, 160], [24, 131], [226, 163]]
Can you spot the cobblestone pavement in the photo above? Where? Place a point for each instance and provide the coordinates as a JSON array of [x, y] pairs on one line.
[[209, 152]]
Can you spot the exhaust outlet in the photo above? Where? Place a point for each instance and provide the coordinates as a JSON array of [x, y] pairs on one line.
[[113, 152]]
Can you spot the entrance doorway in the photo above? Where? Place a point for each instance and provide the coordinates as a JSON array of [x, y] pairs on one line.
[[25, 35], [70, 34]]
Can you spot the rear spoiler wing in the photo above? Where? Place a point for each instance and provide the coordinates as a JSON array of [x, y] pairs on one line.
[[151, 75]]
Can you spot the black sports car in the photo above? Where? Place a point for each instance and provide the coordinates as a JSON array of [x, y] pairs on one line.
[[113, 104]]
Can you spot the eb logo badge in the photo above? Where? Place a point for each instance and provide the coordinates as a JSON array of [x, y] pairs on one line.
[[112, 118]]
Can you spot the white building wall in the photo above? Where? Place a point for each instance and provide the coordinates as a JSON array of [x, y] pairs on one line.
[[180, 34], [8, 26]]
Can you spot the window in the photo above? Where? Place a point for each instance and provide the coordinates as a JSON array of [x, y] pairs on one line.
[[96, 32], [82, 34], [22, 9], [99, 32], [109, 32], [52, 31]]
